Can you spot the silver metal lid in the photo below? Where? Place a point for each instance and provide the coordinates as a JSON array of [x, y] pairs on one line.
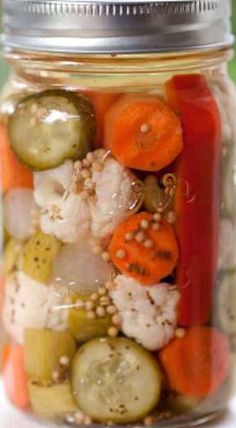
[[118, 26]]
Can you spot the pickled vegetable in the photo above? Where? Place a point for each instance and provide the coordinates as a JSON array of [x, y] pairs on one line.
[[11, 256], [181, 404], [84, 328], [115, 379], [142, 132], [226, 305], [39, 253], [43, 351], [187, 362], [197, 196], [50, 127], [52, 402], [20, 203], [80, 269], [150, 255]]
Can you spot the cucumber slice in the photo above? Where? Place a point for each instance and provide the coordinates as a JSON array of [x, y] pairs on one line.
[[11, 256], [152, 194], [39, 254], [52, 402], [82, 328], [43, 350], [115, 380], [50, 127]]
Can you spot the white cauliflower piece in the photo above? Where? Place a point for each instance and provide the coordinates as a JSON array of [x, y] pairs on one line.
[[227, 248], [50, 185], [149, 314], [115, 197], [69, 216], [64, 214], [29, 304], [68, 219]]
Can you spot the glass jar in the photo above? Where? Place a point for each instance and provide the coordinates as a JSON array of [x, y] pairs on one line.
[[118, 190]]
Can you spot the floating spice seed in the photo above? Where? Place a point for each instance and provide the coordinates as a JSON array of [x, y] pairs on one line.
[[85, 173], [144, 224], [109, 285], [97, 249], [106, 256], [157, 217], [104, 301], [113, 331], [89, 305], [79, 418], [90, 157], [171, 217], [94, 297], [144, 128], [117, 320], [120, 254], [140, 237], [155, 226], [149, 243], [111, 309], [100, 311], [91, 315], [98, 166], [55, 376], [149, 420], [129, 236], [78, 165], [102, 291], [64, 360], [180, 333]]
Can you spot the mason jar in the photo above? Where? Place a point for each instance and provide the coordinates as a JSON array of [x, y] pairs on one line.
[[117, 142]]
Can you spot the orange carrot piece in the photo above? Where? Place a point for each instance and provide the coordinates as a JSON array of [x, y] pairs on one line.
[[148, 261], [12, 173], [142, 132], [14, 376], [102, 101], [197, 364]]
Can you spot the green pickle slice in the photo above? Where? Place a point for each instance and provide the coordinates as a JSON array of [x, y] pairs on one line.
[[43, 351], [50, 127], [82, 328], [52, 402], [39, 253], [115, 379]]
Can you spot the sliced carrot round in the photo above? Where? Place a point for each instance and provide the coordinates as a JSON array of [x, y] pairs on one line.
[[150, 260], [197, 364], [12, 173], [143, 133], [14, 376]]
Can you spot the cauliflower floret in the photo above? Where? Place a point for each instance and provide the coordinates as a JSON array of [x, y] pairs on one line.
[[68, 219], [29, 304], [64, 214], [70, 216], [51, 184], [115, 197], [149, 314]]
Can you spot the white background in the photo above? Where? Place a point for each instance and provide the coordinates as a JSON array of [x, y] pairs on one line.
[[10, 418]]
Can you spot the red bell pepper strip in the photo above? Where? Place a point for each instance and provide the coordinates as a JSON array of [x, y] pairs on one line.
[[14, 376], [198, 195]]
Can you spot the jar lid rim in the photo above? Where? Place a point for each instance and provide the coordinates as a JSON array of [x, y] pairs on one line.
[[116, 26]]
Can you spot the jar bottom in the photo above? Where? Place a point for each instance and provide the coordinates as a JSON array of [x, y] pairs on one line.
[[185, 421]]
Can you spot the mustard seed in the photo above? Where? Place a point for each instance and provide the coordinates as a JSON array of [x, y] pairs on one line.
[[97, 249], [149, 243], [157, 217], [155, 226], [102, 291], [140, 237], [145, 128], [180, 333], [111, 309], [144, 224], [129, 236], [89, 305], [171, 217], [94, 297], [91, 315], [120, 254], [113, 331], [106, 256], [116, 319], [100, 311]]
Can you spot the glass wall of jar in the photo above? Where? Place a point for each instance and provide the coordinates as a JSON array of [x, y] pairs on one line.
[[119, 261]]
